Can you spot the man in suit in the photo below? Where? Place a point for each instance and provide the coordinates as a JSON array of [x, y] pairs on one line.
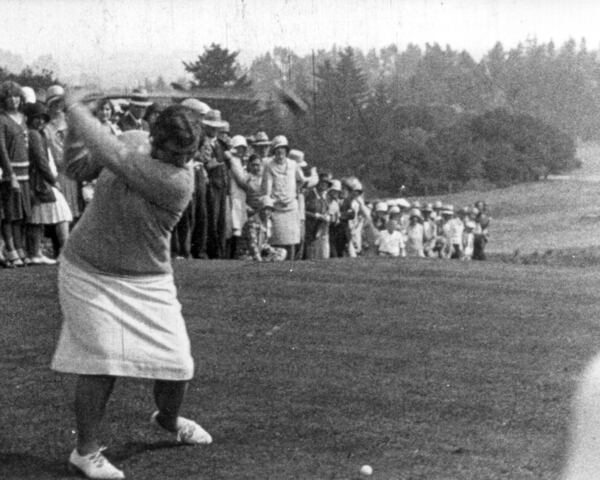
[[133, 119]]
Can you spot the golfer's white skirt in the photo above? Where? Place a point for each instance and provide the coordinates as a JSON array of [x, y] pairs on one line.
[[121, 326]]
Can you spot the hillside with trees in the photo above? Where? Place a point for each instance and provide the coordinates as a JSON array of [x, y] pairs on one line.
[[434, 119]]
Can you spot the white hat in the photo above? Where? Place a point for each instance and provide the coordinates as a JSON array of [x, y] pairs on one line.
[[298, 156], [266, 202], [196, 105], [415, 212], [28, 94], [394, 209], [381, 207], [402, 202], [470, 224], [280, 141], [336, 185], [238, 141], [212, 118], [55, 92]]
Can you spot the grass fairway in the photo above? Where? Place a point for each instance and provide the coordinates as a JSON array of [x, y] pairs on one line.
[[422, 369]]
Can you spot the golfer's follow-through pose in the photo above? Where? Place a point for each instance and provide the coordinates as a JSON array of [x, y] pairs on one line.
[[121, 316]]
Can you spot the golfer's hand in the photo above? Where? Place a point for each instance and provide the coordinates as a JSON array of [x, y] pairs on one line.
[[14, 183]]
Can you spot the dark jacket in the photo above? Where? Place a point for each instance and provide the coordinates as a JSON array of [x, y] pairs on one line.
[[129, 122], [41, 177]]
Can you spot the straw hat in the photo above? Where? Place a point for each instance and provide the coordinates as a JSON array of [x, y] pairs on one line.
[[212, 118], [196, 105], [297, 156], [139, 98], [261, 138], [448, 210], [280, 141]]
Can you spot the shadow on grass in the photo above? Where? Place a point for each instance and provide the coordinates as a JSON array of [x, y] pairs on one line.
[[130, 449], [24, 465], [16, 465]]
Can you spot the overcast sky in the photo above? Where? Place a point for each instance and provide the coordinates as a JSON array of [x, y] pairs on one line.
[[138, 34]]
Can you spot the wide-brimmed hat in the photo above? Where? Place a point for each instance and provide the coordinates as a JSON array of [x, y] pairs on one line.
[[261, 138], [139, 98], [297, 156], [394, 209], [212, 118], [280, 141], [37, 109], [54, 93], [335, 185], [196, 105], [437, 205], [416, 204], [238, 141]]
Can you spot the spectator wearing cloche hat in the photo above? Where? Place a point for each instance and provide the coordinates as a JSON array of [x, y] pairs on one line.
[[280, 182], [318, 219], [237, 190], [55, 132], [415, 234], [133, 119], [49, 206]]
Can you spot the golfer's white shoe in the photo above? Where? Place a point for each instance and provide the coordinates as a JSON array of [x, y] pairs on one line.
[[188, 431], [94, 465]]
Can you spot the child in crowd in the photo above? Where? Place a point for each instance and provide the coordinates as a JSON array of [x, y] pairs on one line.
[[256, 233], [390, 242]]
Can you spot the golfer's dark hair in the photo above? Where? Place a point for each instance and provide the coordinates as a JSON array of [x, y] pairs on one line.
[[178, 127]]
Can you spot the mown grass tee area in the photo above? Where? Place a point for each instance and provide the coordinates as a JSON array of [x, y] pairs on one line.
[[421, 369]]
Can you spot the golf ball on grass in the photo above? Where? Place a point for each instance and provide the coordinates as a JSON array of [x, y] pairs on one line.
[[366, 470]]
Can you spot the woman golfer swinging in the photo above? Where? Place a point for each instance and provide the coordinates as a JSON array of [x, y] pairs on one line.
[[121, 316]]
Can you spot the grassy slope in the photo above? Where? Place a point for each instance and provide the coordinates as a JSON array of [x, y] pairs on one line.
[[432, 370], [545, 215]]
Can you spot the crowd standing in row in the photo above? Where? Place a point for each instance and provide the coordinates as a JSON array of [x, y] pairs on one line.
[[255, 198]]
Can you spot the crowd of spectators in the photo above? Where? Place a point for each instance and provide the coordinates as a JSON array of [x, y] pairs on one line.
[[255, 198]]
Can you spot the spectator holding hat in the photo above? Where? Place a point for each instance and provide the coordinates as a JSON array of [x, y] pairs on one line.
[[14, 162], [280, 182], [133, 119], [49, 206], [212, 155]]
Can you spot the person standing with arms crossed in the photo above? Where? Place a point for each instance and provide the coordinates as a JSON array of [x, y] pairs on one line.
[[121, 316]]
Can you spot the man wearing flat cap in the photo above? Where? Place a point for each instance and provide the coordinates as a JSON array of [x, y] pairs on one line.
[[133, 119]]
